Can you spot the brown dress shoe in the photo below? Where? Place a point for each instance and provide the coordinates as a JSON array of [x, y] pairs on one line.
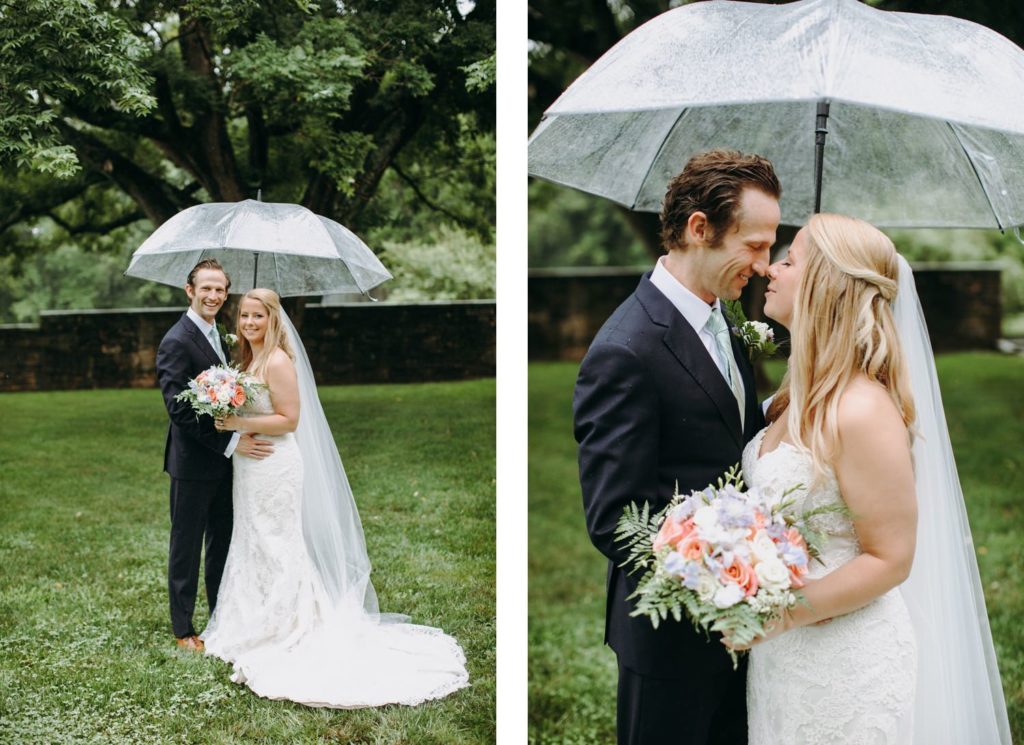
[[191, 643]]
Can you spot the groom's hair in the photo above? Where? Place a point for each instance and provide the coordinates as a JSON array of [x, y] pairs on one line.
[[712, 183], [207, 264]]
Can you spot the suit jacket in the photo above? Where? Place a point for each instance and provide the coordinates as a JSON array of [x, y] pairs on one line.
[[194, 449], [651, 409]]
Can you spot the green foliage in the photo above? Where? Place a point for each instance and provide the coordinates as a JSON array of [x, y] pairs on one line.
[[572, 675], [86, 653], [452, 266], [309, 75], [636, 530], [481, 75], [570, 228], [457, 188], [72, 277], [54, 49]]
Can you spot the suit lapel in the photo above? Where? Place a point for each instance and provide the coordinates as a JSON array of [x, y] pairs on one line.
[[747, 374], [201, 342], [684, 344]]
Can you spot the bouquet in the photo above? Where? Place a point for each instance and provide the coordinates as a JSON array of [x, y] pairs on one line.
[[733, 560], [219, 390]]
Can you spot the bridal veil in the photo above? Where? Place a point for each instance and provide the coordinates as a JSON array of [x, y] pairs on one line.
[[959, 693]]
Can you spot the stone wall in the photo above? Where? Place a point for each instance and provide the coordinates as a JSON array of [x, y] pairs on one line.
[[961, 302], [353, 343]]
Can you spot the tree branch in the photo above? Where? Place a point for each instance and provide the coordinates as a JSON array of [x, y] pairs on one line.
[[118, 222], [25, 207], [423, 198], [158, 199]]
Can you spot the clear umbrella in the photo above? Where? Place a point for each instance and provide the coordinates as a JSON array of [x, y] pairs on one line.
[[921, 117], [260, 244]]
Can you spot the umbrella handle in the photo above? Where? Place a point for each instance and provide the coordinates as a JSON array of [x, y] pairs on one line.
[[820, 132]]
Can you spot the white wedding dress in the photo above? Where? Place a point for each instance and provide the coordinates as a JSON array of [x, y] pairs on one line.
[[276, 623], [850, 681]]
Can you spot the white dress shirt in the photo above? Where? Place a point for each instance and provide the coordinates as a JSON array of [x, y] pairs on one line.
[[693, 309], [205, 328]]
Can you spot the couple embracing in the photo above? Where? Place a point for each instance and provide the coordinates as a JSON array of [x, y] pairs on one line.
[[893, 621], [287, 575]]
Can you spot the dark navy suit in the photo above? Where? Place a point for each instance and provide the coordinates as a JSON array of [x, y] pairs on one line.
[[200, 476], [651, 409]]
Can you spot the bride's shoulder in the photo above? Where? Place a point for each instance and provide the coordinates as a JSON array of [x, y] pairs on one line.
[[865, 406], [280, 364]]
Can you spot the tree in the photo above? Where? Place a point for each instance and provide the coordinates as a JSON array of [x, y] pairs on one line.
[[118, 111]]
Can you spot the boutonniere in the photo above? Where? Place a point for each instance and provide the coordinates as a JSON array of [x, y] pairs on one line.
[[230, 340], [758, 337]]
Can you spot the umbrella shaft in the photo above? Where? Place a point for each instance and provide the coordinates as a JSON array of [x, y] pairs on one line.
[[820, 132]]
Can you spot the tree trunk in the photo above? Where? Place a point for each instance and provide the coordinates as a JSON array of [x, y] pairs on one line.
[[209, 143]]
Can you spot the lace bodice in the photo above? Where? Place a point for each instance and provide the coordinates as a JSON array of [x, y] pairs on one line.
[[849, 681], [259, 405], [785, 467]]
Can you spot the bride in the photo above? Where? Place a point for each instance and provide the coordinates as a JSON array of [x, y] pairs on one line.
[[297, 615], [893, 644]]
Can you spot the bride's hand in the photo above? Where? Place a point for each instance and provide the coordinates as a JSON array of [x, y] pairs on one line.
[[771, 630], [229, 423]]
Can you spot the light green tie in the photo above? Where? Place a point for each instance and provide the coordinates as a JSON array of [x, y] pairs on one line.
[[215, 343], [720, 330]]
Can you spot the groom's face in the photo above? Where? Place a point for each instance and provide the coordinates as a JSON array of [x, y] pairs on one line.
[[743, 250], [208, 293]]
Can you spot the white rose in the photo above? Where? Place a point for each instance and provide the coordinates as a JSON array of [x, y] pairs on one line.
[[763, 330], [728, 596], [224, 396], [706, 517], [706, 587], [763, 547], [772, 574]]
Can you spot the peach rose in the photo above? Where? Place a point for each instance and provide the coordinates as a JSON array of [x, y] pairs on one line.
[[742, 574], [672, 532], [239, 397], [794, 537], [692, 547]]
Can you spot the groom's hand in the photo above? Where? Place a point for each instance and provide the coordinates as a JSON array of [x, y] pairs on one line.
[[250, 447]]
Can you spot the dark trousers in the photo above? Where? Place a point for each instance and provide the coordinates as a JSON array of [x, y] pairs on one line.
[[198, 509], [693, 710]]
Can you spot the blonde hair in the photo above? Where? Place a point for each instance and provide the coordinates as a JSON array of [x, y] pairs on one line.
[[274, 338], [842, 326]]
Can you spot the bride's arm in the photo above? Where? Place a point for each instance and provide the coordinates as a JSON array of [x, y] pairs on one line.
[[283, 382], [876, 479]]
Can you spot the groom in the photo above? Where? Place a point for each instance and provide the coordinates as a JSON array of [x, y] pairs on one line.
[[197, 456], [665, 396]]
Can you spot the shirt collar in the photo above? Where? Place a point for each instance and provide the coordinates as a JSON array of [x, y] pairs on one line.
[[198, 321], [693, 309]]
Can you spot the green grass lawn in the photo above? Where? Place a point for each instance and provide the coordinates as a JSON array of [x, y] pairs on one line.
[[573, 676], [86, 651]]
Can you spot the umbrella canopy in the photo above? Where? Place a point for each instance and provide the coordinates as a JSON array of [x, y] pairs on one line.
[[925, 123], [260, 244]]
